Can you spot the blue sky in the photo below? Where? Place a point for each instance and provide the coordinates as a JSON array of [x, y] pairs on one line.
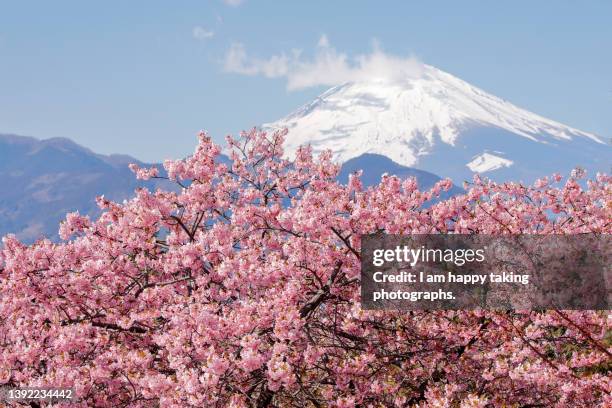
[[142, 77]]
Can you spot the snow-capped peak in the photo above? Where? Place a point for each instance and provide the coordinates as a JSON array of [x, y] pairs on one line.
[[413, 120]]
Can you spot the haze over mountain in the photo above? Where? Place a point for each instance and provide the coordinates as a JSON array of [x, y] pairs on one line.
[[42, 180], [442, 124]]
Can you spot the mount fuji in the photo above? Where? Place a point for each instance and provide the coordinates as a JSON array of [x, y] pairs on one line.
[[439, 123]]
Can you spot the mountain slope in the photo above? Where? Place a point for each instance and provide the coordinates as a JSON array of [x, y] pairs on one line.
[[42, 180], [441, 124], [375, 165]]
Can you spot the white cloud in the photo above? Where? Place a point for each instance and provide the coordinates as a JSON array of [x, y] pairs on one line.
[[201, 33], [237, 61], [328, 66], [323, 41], [233, 3]]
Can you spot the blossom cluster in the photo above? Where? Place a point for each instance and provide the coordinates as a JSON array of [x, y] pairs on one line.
[[241, 288]]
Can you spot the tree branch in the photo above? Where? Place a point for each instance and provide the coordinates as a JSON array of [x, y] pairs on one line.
[[321, 294]]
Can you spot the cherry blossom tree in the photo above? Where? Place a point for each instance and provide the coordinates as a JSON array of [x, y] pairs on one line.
[[241, 288]]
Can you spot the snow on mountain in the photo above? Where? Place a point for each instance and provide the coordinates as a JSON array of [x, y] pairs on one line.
[[487, 162], [441, 124]]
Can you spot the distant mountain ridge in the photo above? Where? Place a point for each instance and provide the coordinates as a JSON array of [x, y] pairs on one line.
[[42, 180], [374, 166]]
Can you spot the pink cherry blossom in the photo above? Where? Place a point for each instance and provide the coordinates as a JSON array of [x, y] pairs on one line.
[[241, 288]]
